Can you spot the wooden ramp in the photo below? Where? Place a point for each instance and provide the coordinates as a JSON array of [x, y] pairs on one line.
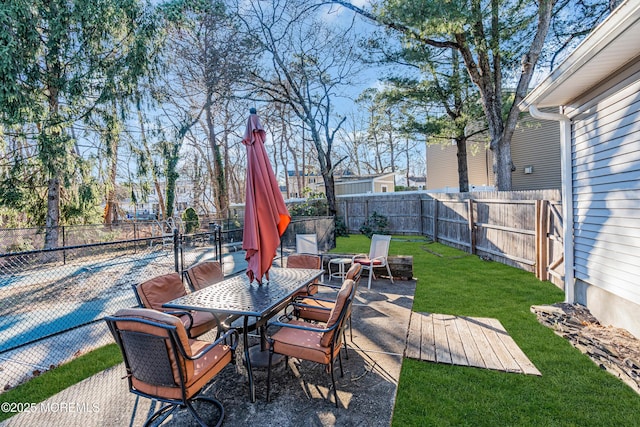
[[466, 341]]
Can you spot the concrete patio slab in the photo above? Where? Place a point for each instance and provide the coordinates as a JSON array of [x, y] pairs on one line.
[[300, 396]]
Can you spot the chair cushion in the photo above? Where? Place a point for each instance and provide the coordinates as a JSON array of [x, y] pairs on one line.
[[312, 311], [155, 292], [305, 261], [205, 274], [367, 261], [341, 300], [354, 272], [302, 344]]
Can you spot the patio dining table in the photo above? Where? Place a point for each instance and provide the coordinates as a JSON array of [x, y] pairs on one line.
[[238, 296]]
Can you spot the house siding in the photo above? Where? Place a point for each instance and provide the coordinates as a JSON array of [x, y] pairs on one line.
[[606, 202], [536, 144], [352, 188], [442, 166]]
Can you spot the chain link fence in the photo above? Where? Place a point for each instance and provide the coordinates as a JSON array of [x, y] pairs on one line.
[[52, 301]]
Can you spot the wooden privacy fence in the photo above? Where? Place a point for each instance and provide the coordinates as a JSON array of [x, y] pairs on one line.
[[522, 229]]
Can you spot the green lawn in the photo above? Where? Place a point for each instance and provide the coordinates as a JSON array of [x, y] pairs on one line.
[[573, 391], [51, 382]]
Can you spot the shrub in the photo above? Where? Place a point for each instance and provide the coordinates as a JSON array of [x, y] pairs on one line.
[[191, 220], [341, 228], [375, 224]]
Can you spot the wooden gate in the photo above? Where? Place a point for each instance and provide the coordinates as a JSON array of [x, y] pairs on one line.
[[549, 244]]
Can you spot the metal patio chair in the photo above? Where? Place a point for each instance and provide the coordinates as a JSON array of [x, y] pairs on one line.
[[203, 274], [318, 309], [164, 364], [306, 341], [153, 293]]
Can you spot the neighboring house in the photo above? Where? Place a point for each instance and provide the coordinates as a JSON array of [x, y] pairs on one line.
[[535, 152], [313, 182], [151, 207], [379, 183], [597, 93], [442, 167], [416, 182]]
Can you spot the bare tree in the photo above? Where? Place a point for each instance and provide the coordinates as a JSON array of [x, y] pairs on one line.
[[311, 64], [205, 57]]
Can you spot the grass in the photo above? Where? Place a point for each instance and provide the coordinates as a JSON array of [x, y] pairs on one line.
[[51, 382], [572, 391]]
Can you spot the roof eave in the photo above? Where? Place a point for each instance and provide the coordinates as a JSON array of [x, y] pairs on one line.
[[609, 47]]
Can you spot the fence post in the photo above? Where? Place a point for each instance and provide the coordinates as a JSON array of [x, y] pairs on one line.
[[176, 250], [472, 228], [420, 200], [64, 245], [542, 239], [435, 219], [346, 216]]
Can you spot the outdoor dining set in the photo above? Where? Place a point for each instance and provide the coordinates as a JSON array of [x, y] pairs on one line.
[[169, 359]]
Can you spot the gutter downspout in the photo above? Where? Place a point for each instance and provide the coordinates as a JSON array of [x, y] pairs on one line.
[[567, 196]]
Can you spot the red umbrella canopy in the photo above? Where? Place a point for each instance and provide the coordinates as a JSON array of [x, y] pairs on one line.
[[265, 215]]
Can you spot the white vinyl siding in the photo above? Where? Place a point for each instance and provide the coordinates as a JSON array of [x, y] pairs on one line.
[[606, 191]]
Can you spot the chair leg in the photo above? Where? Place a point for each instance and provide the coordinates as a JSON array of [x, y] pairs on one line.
[[370, 276], [162, 411], [333, 381], [269, 373], [344, 341], [389, 271], [195, 415]]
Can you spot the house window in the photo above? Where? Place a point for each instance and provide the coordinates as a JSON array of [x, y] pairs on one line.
[[383, 188]]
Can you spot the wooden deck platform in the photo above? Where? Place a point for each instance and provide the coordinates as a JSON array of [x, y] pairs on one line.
[[466, 341]]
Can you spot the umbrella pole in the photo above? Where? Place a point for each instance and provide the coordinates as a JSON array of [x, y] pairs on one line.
[[281, 253]]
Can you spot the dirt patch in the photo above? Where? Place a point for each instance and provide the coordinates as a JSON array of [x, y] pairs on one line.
[[613, 349]]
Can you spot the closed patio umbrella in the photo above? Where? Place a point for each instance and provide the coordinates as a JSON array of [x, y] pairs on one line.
[[265, 216]]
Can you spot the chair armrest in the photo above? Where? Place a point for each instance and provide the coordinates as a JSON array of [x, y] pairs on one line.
[[179, 313], [315, 307], [326, 285], [222, 339], [299, 299], [366, 256], [303, 328]]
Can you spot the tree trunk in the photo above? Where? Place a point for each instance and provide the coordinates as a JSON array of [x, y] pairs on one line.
[[463, 170], [53, 214]]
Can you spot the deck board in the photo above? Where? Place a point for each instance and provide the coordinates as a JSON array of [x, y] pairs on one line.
[[465, 341]]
